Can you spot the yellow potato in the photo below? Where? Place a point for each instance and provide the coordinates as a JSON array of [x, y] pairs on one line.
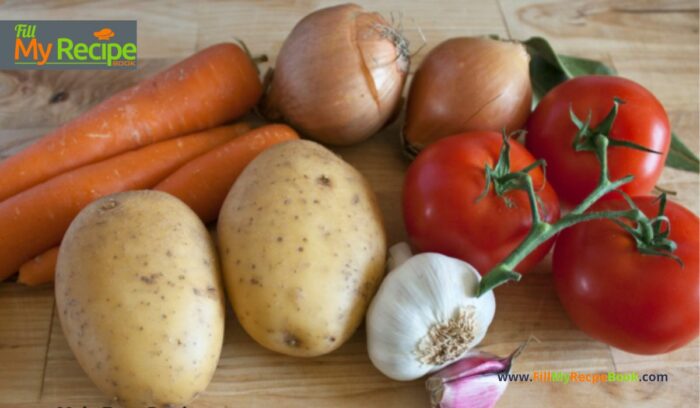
[[302, 248], [140, 300]]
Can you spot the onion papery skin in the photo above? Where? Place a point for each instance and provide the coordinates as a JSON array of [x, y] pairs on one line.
[[468, 84], [339, 76]]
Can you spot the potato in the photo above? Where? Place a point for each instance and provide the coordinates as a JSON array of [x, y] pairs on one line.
[[140, 300], [302, 248]]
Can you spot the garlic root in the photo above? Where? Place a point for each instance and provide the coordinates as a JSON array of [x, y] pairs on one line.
[[447, 341]]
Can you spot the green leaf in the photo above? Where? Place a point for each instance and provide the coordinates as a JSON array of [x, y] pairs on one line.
[[584, 66], [543, 77], [548, 69], [680, 157]]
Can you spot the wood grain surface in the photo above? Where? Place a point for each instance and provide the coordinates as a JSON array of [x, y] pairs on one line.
[[652, 42]]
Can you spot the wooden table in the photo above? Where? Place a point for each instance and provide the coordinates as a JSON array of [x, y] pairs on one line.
[[652, 42]]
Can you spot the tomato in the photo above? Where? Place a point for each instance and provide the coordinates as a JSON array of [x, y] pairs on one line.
[[441, 211], [641, 119], [644, 304]]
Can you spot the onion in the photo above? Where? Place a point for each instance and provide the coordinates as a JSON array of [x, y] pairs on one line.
[[339, 75], [467, 84]]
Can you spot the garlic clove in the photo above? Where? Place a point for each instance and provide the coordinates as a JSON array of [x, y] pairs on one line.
[[470, 392], [471, 382]]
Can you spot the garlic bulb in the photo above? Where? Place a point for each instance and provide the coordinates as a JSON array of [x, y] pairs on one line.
[[425, 314]]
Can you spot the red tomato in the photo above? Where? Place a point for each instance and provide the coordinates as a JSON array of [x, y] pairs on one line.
[[641, 120], [643, 304], [440, 206]]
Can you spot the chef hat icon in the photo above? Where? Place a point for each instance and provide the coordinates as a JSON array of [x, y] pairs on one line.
[[104, 34]]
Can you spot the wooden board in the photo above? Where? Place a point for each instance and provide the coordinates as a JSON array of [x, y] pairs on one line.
[[653, 42]]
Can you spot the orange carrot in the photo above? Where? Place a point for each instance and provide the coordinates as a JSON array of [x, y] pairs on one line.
[[36, 219], [40, 269], [204, 182], [207, 89]]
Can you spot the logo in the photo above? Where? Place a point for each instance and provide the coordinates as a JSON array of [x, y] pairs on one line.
[[104, 35], [68, 45]]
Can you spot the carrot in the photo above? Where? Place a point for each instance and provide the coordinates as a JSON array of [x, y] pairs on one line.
[[201, 183], [204, 182], [40, 269], [36, 219], [207, 89]]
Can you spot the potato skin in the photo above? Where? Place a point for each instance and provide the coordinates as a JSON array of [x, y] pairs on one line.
[[140, 300], [302, 247]]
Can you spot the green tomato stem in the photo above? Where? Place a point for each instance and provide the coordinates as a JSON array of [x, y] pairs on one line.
[[542, 231]]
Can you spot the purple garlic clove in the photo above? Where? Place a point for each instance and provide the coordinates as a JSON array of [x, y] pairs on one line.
[[471, 382]]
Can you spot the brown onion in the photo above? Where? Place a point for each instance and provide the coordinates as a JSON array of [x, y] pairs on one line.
[[467, 84], [339, 75]]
